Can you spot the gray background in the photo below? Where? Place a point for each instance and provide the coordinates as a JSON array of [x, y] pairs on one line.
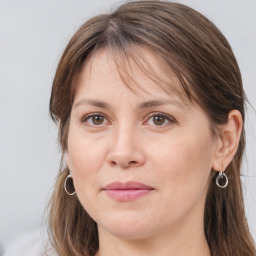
[[32, 37]]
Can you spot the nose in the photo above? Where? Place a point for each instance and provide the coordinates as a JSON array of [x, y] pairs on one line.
[[126, 149]]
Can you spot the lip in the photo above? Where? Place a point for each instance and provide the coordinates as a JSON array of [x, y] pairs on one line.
[[127, 191]]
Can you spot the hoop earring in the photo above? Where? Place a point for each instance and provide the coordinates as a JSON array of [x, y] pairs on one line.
[[221, 176], [69, 186]]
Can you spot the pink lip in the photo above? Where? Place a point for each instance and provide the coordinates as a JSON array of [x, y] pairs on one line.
[[127, 191]]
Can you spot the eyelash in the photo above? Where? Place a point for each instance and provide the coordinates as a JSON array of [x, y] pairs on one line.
[[159, 114]]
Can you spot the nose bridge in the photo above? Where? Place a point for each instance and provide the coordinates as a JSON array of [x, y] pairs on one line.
[[124, 135], [125, 149]]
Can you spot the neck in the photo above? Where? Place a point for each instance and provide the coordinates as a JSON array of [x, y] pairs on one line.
[[178, 242]]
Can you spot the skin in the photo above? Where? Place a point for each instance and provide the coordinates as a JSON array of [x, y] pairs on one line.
[[174, 156]]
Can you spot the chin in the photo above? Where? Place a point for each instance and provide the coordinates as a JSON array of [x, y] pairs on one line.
[[128, 226], [129, 233]]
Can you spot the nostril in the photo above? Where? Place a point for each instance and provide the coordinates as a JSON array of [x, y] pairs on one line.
[[123, 165], [113, 163]]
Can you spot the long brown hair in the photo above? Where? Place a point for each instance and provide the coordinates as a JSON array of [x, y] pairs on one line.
[[200, 57]]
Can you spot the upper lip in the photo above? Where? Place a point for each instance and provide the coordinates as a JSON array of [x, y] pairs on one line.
[[127, 185]]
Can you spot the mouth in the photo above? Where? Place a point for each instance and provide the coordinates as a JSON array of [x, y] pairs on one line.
[[127, 191]]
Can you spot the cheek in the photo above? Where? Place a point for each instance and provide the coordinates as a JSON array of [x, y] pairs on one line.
[[184, 165], [183, 168], [84, 159], [182, 157]]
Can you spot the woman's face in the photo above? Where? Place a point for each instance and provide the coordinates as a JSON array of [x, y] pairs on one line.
[[151, 139]]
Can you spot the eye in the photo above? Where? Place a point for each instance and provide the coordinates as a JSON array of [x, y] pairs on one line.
[[160, 119], [94, 119]]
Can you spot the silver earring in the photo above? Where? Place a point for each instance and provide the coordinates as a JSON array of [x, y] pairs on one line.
[[69, 186], [221, 176]]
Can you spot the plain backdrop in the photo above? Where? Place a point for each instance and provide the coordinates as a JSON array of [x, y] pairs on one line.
[[33, 35]]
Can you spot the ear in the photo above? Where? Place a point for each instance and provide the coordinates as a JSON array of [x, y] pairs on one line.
[[228, 141]]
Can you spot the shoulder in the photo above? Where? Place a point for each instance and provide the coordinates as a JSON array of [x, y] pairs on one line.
[[31, 244]]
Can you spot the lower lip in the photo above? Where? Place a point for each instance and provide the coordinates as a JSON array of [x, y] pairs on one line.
[[127, 194]]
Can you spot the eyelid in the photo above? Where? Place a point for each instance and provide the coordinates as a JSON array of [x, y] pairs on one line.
[[168, 117], [86, 117]]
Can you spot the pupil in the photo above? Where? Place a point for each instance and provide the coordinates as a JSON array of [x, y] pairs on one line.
[[158, 120], [97, 119]]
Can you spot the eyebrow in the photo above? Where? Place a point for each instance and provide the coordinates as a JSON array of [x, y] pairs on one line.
[[143, 105]]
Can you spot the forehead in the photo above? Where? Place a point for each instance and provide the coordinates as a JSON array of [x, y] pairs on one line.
[[141, 71]]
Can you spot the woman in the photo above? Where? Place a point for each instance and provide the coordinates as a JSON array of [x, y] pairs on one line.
[[150, 107]]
